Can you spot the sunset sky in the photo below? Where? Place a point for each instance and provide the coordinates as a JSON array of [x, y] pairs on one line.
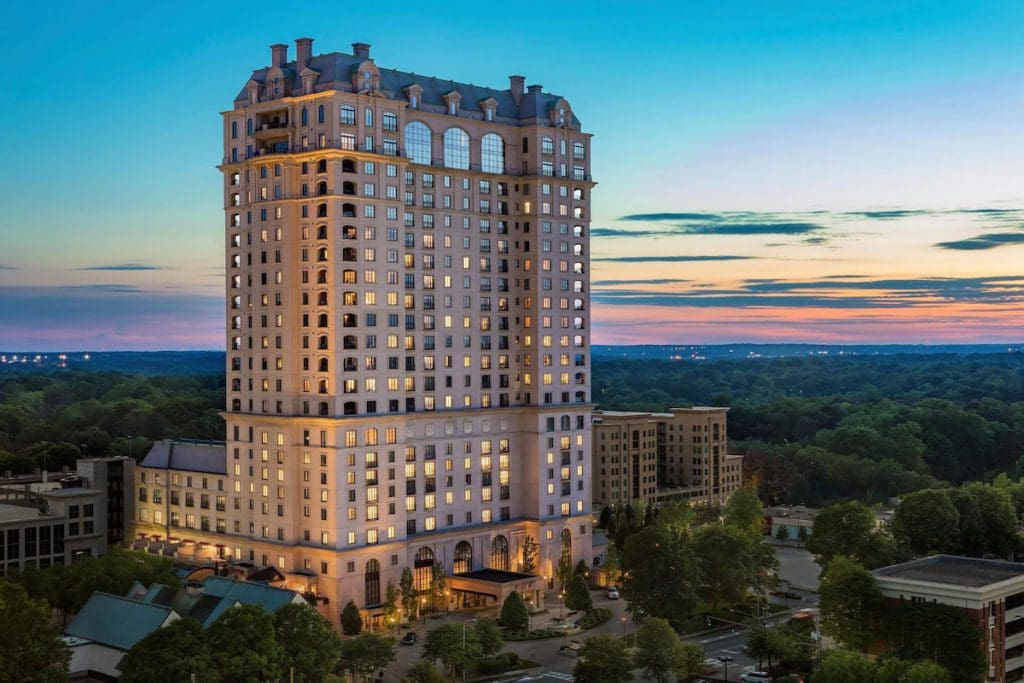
[[768, 170]]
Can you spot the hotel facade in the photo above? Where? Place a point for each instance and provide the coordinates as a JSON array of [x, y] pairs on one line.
[[408, 365]]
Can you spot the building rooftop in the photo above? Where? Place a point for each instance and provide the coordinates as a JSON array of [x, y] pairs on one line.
[[70, 493], [336, 71], [954, 571], [19, 513], [188, 456], [269, 598], [116, 621]]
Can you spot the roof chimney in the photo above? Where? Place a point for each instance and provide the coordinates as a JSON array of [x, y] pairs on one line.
[[303, 52], [534, 88], [361, 50], [515, 84], [278, 54]]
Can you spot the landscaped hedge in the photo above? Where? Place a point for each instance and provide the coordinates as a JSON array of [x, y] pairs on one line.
[[535, 634], [498, 664], [594, 617]]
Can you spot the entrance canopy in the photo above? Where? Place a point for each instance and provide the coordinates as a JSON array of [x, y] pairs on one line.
[[496, 583]]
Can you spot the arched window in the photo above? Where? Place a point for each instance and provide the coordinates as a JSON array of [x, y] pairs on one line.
[[348, 187], [321, 232], [320, 114], [566, 423], [349, 342], [234, 129], [463, 558], [499, 553], [321, 188], [248, 127], [372, 583], [492, 154], [456, 148], [322, 320], [324, 365], [236, 404], [348, 277], [305, 117], [348, 166], [578, 323], [348, 210], [322, 343], [349, 320], [321, 277], [577, 194], [566, 545], [577, 212], [324, 386], [349, 408], [348, 254], [423, 569], [321, 254], [321, 166], [417, 143], [349, 232], [349, 298], [323, 408], [321, 211]]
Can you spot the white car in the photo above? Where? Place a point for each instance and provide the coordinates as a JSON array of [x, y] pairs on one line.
[[613, 593], [712, 664], [756, 677]]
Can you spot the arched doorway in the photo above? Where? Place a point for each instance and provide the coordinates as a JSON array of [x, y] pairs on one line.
[[423, 569], [371, 583]]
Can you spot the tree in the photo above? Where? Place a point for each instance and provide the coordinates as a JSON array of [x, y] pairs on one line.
[[351, 619], [243, 645], [927, 522], [578, 598], [366, 654], [30, 645], [611, 565], [850, 603], [691, 663], [311, 646], [530, 550], [927, 672], [843, 666], [407, 588], [801, 535], [171, 653], [514, 614], [661, 575], [744, 511], [423, 671], [488, 634], [846, 529], [391, 614], [659, 652], [454, 645], [782, 533], [603, 659], [731, 561], [564, 572], [438, 583], [932, 631], [605, 518], [999, 520]]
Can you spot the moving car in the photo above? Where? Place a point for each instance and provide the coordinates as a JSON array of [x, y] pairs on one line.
[[572, 649], [613, 593], [756, 677], [409, 638]]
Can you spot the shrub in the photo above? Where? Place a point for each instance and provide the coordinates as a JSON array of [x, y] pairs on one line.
[[513, 612]]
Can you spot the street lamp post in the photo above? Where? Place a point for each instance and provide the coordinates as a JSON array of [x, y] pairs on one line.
[[464, 648], [725, 664], [423, 610], [623, 626]]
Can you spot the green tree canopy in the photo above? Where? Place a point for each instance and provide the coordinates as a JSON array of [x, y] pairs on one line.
[[659, 652], [731, 562], [661, 575], [244, 646], [847, 529], [488, 634], [843, 666], [351, 619], [514, 614], [744, 511], [927, 522], [603, 659], [366, 654], [454, 645], [30, 645], [407, 589], [311, 647], [578, 597], [850, 603], [172, 653]]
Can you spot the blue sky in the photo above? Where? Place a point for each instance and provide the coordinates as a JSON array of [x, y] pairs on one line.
[[761, 112]]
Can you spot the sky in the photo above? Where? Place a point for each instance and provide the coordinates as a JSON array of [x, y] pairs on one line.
[[777, 171]]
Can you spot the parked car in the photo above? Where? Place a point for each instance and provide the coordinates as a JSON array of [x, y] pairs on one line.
[[712, 663], [409, 638], [613, 593], [756, 677], [572, 649]]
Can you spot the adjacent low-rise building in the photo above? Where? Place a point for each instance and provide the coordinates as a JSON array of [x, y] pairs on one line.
[[990, 593], [642, 457], [43, 523]]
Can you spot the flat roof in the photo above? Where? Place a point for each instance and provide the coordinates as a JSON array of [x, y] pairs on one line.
[[70, 493], [19, 513], [954, 571]]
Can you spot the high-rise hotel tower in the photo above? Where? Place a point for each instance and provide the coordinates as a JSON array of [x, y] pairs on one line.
[[408, 366]]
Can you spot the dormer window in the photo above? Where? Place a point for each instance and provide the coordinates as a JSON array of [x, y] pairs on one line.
[[414, 101], [368, 80], [561, 115], [452, 108], [452, 101], [489, 114]]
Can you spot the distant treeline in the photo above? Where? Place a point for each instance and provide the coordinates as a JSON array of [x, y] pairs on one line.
[[816, 430], [49, 419]]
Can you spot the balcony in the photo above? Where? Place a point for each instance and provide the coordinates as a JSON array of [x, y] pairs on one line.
[[271, 130]]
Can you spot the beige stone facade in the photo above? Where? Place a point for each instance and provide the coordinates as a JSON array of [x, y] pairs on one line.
[[408, 329], [648, 457]]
